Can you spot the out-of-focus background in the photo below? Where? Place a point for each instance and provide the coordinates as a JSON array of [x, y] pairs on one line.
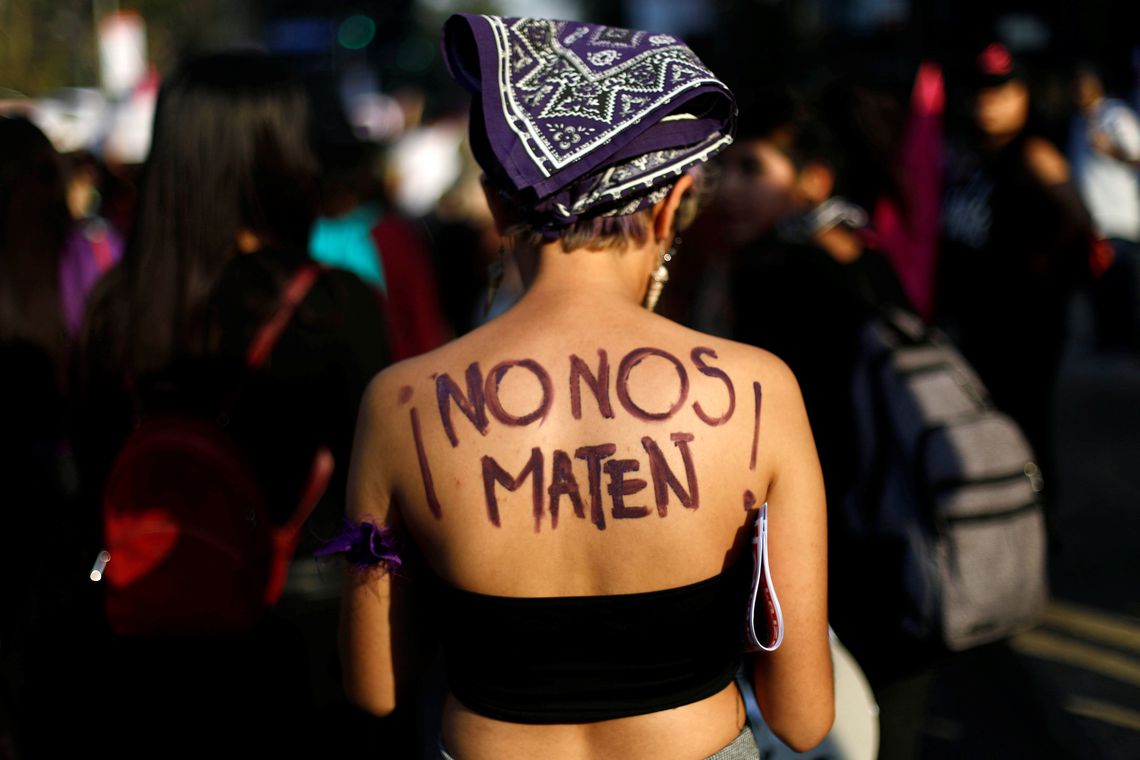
[[389, 128], [87, 70]]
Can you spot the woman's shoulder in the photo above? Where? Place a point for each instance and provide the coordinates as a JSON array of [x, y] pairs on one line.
[[745, 359], [1044, 161], [400, 379]]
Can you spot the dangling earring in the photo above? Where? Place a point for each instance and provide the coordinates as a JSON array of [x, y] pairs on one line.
[[494, 280], [660, 276]]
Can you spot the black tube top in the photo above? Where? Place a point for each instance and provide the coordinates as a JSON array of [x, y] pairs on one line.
[[589, 658]]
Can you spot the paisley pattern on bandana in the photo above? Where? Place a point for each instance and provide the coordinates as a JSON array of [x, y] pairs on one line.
[[575, 119], [584, 88], [641, 171]]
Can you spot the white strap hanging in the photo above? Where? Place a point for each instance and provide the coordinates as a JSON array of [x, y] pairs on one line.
[[763, 605]]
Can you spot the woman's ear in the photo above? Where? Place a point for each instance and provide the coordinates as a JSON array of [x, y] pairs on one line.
[[665, 212], [495, 203]]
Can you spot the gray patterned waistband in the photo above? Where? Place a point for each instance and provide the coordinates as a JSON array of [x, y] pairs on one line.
[[743, 747]]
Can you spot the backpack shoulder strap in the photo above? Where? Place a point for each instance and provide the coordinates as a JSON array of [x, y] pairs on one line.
[[271, 329], [286, 537]]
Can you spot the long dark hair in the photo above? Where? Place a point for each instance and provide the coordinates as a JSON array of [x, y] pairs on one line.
[[230, 153], [34, 223]]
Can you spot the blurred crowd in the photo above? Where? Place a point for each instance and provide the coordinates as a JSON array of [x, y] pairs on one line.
[[128, 290]]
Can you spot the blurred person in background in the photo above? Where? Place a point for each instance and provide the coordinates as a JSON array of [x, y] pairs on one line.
[[56, 247], [791, 233], [413, 286], [522, 590], [807, 249], [1104, 149], [467, 251], [1016, 241], [360, 230], [226, 206], [95, 246], [47, 268], [349, 209], [224, 218]]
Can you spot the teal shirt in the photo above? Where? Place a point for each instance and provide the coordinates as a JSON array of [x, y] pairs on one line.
[[346, 242]]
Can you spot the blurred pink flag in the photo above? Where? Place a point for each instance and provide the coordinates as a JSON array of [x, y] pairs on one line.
[[909, 235]]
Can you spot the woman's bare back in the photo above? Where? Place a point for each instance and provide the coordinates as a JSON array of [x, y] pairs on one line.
[[636, 461], [579, 448]]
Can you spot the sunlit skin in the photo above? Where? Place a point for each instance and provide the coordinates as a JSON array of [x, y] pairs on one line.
[[609, 462], [1001, 112], [756, 190], [1087, 90], [761, 187], [481, 396]]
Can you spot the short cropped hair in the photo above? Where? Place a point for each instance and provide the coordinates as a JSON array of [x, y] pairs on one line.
[[603, 232]]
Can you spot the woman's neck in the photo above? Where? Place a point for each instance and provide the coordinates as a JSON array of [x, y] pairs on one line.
[[608, 275]]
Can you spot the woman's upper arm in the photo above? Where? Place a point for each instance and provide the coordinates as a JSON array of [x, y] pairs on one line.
[[371, 607], [794, 685]]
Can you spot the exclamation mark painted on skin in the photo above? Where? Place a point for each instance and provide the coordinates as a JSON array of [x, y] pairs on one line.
[[425, 470]]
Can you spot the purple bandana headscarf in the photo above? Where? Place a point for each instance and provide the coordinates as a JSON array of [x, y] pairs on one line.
[[574, 120]]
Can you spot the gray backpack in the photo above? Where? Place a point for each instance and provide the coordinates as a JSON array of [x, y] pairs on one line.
[[947, 490]]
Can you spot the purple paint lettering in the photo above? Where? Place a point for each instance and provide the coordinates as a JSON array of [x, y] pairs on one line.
[[493, 473], [619, 488], [705, 369], [599, 384], [663, 477], [472, 405], [593, 456], [563, 484], [425, 470], [755, 430], [495, 377], [631, 360], [749, 500], [405, 394]]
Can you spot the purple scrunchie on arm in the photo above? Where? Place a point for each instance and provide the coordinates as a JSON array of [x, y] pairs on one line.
[[366, 546]]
